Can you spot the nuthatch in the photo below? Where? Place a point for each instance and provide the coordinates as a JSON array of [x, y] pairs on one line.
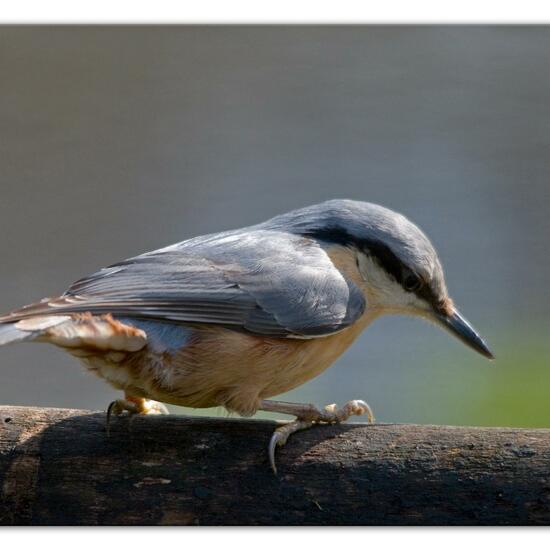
[[233, 318]]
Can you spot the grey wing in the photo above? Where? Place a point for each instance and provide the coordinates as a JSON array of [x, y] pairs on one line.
[[265, 282]]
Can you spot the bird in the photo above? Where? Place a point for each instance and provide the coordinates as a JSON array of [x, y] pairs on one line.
[[235, 318]]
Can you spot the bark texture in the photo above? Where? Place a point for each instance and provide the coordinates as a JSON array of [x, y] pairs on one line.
[[59, 467]]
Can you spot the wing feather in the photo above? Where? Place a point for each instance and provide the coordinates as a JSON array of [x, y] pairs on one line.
[[263, 281]]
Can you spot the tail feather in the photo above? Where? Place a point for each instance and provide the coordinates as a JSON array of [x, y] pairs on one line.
[[28, 329], [10, 334], [84, 330]]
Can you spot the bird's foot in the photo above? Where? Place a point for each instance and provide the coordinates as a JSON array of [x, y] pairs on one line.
[[307, 417], [132, 406]]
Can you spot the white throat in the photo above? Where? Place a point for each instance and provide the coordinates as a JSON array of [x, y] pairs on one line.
[[384, 292]]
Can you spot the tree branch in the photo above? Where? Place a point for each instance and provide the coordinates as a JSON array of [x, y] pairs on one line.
[[59, 467]]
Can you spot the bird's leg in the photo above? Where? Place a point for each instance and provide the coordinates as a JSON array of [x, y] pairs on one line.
[[134, 405], [308, 415]]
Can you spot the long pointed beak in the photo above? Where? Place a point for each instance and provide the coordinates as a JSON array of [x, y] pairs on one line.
[[459, 327]]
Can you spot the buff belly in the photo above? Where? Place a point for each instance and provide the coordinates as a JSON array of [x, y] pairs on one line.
[[219, 367]]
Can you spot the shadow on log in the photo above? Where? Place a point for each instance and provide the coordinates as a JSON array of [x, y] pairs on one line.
[[59, 467]]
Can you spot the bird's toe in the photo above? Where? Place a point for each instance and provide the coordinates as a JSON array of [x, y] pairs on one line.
[[280, 437]]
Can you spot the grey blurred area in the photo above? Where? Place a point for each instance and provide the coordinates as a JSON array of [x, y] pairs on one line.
[[118, 140]]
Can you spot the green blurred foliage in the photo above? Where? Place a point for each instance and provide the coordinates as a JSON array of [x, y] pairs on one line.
[[516, 392]]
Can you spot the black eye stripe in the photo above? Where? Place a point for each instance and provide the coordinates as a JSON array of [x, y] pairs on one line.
[[385, 258], [374, 248], [381, 254], [377, 250]]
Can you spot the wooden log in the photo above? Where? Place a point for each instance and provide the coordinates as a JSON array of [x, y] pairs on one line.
[[59, 467]]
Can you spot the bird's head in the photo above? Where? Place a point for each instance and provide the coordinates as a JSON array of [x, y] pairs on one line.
[[398, 267]]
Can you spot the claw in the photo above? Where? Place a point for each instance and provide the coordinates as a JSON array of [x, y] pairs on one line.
[[273, 442], [117, 407], [280, 437], [133, 406], [108, 419], [357, 407]]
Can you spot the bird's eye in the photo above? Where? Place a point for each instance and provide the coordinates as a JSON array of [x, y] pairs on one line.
[[411, 281]]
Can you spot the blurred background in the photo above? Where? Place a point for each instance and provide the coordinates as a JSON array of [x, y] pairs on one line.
[[118, 140]]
